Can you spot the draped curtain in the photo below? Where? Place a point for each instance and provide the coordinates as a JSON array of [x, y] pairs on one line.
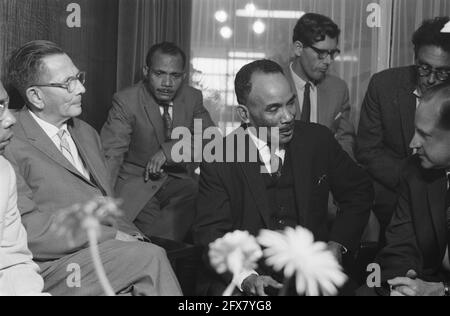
[[143, 23]]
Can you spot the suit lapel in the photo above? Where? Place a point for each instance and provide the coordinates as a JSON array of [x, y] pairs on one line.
[[406, 103], [436, 199], [323, 103], [301, 155], [179, 110], [153, 113], [42, 142], [92, 162], [255, 183], [288, 74]]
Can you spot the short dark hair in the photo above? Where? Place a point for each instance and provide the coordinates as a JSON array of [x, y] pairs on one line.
[[429, 34], [25, 65], [243, 81], [166, 48], [441, 94], [312, 28]]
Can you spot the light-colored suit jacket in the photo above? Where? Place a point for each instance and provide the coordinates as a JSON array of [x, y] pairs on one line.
[[18, 273], [47, 183], [333, 109], [134, 133]]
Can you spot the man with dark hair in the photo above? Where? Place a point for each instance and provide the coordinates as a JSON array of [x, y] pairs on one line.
[[322, 98], [59, 162], [158, 193], [387, 115], [294, 187], [415, 261]]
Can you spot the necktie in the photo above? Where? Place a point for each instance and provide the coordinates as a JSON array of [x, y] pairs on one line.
[[64, 146], [447, 205], [167, 120], [306, 109]]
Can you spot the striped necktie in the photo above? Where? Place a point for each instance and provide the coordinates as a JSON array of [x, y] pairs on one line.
[[64, 146], [167, 120]]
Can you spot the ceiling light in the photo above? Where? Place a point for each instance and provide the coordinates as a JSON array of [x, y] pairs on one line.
[[226, 32], [221, 16], [259, 27], [270, 14]]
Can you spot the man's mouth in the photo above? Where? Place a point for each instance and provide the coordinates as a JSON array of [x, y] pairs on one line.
[[165, 92]]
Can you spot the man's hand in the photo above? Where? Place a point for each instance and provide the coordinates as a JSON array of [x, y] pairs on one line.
[[256, 284], [121, 236], [154, 166], [336, 249], [411, 286]]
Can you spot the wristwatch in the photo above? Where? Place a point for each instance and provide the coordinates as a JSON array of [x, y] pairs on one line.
[[446, 289]]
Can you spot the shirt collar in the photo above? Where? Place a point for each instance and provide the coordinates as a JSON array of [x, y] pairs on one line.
[[49, 129], [299, 82], [262, 146], [417, 93]]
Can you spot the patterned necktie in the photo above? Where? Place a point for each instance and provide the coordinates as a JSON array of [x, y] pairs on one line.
[[167, 120], [64, 146], [306, 109]]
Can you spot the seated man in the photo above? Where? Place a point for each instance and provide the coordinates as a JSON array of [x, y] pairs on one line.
[[238, 196], [158, 194], [18, 274], [415, 261], [59, 162]]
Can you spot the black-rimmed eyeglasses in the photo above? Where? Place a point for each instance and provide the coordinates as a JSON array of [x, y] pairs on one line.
[[70, 85], [426, 70], [324, 53]]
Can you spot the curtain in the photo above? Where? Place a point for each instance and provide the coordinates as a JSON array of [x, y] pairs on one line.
[[143, 23], [226, 34], [409, 16], [92, 44]]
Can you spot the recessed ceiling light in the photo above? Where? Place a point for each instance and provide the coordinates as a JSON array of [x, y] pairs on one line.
[[226, 32], [221, 16]]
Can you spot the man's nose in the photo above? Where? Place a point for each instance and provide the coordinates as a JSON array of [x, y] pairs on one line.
[[288, 114], [432, 79], [415, 142], [8, 120], [167, 81]]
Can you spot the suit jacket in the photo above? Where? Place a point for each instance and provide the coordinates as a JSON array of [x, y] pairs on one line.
[[417, 235], [134, 133], [386, 126], [14, 252], [48, 182], [333, 109], [232, 196]]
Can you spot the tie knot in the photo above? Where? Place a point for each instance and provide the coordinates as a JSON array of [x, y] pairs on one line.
[[61, 133], [307, 86]]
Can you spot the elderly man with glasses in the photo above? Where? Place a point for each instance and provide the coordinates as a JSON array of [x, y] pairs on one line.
[[59, 162], [388, 112], [322, 97]]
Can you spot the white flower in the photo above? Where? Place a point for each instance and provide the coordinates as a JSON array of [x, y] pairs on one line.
[[295, 252], [235, 252]]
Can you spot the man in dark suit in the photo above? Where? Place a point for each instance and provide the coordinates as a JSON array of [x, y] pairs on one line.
[[59, 162], [294, 191], [321, 97], [415, 261], [158, 193], [387, 115]]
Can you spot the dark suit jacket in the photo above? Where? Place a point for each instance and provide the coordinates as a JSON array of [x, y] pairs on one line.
[[47, 183], [232, 196], [333, 109], [417, 235], [134, 133], [387, 124]]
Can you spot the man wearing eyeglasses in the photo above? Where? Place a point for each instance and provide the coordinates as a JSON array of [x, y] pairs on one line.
[[388, 110], [158, 193], [322, 97], [59, 162]]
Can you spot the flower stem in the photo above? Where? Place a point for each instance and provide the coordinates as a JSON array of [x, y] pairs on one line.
[[93, 247], [229, 290]]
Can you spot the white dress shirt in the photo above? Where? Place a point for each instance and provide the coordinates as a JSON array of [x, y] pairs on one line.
[[161, 109], [52, 132], [300, 87]]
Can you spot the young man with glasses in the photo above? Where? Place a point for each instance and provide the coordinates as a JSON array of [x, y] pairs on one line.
[[59, 162], [388, 111], [322, 98], [158, 193]]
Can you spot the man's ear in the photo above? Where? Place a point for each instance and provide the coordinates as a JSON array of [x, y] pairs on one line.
[[145, 71], [298, 48], [243, 113], [35, 97]]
